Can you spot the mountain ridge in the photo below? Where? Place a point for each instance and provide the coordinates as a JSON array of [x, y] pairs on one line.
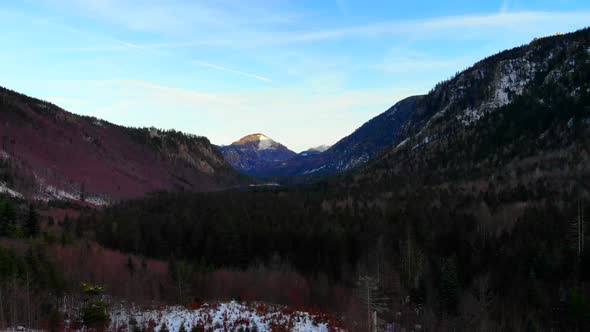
[[527, 107], [49, 153]]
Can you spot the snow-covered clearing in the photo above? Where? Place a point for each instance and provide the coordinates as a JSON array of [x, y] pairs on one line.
[[230, 316]]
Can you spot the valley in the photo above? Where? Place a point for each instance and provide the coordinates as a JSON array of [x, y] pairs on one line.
[[462, 209]]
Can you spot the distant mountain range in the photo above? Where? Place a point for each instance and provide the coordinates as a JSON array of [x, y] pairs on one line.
[[314, 151], [352, 151]]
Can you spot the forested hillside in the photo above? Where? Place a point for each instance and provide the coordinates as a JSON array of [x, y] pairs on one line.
[[48, 153]]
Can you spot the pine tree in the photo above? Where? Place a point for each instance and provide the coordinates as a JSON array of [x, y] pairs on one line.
[[32, 223], [373, 298], [197, 328], [83, 191], [130, 265], [7, 217], [449, 285], [94, 313]]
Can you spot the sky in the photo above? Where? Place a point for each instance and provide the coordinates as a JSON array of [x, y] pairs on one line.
[[303, 72]]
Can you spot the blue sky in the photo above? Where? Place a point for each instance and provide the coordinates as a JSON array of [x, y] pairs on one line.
[[303, 72]]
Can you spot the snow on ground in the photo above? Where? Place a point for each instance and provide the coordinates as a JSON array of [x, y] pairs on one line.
[[5, 190], [403, 143], [231, 316], [97, 201], [60, 194], [470, 116], [270, 184], [4, 155], [314, 170], [515, 76], [511, 80], [49, 192]]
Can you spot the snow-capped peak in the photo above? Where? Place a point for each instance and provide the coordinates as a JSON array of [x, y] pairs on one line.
[[264, 142], [321, 148]]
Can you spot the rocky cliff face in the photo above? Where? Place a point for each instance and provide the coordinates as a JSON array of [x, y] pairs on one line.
[[540, 72]]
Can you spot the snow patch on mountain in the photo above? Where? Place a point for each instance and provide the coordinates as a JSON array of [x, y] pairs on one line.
[[321, 148], [314, 170], [344, 165], [5, 190], [50, 192], [515, 74], [265, 143], [403, 143], [315, 150], [511, 79], [470, 116], [4, 155]]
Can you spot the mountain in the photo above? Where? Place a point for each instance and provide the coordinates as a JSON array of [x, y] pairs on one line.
[[254, 152], [546, 74], [368, 141], [518, 119], [314, 151], [47, 153]]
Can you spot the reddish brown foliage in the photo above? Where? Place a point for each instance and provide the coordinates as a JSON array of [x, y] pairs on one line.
[[73, 153]]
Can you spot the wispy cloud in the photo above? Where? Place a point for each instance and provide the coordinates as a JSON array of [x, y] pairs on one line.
[[115, 45], [183, 24], [178, 17], [229, 70], [447, 27], [505, 6], [436, 27], [342, 6], [405, 61]]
